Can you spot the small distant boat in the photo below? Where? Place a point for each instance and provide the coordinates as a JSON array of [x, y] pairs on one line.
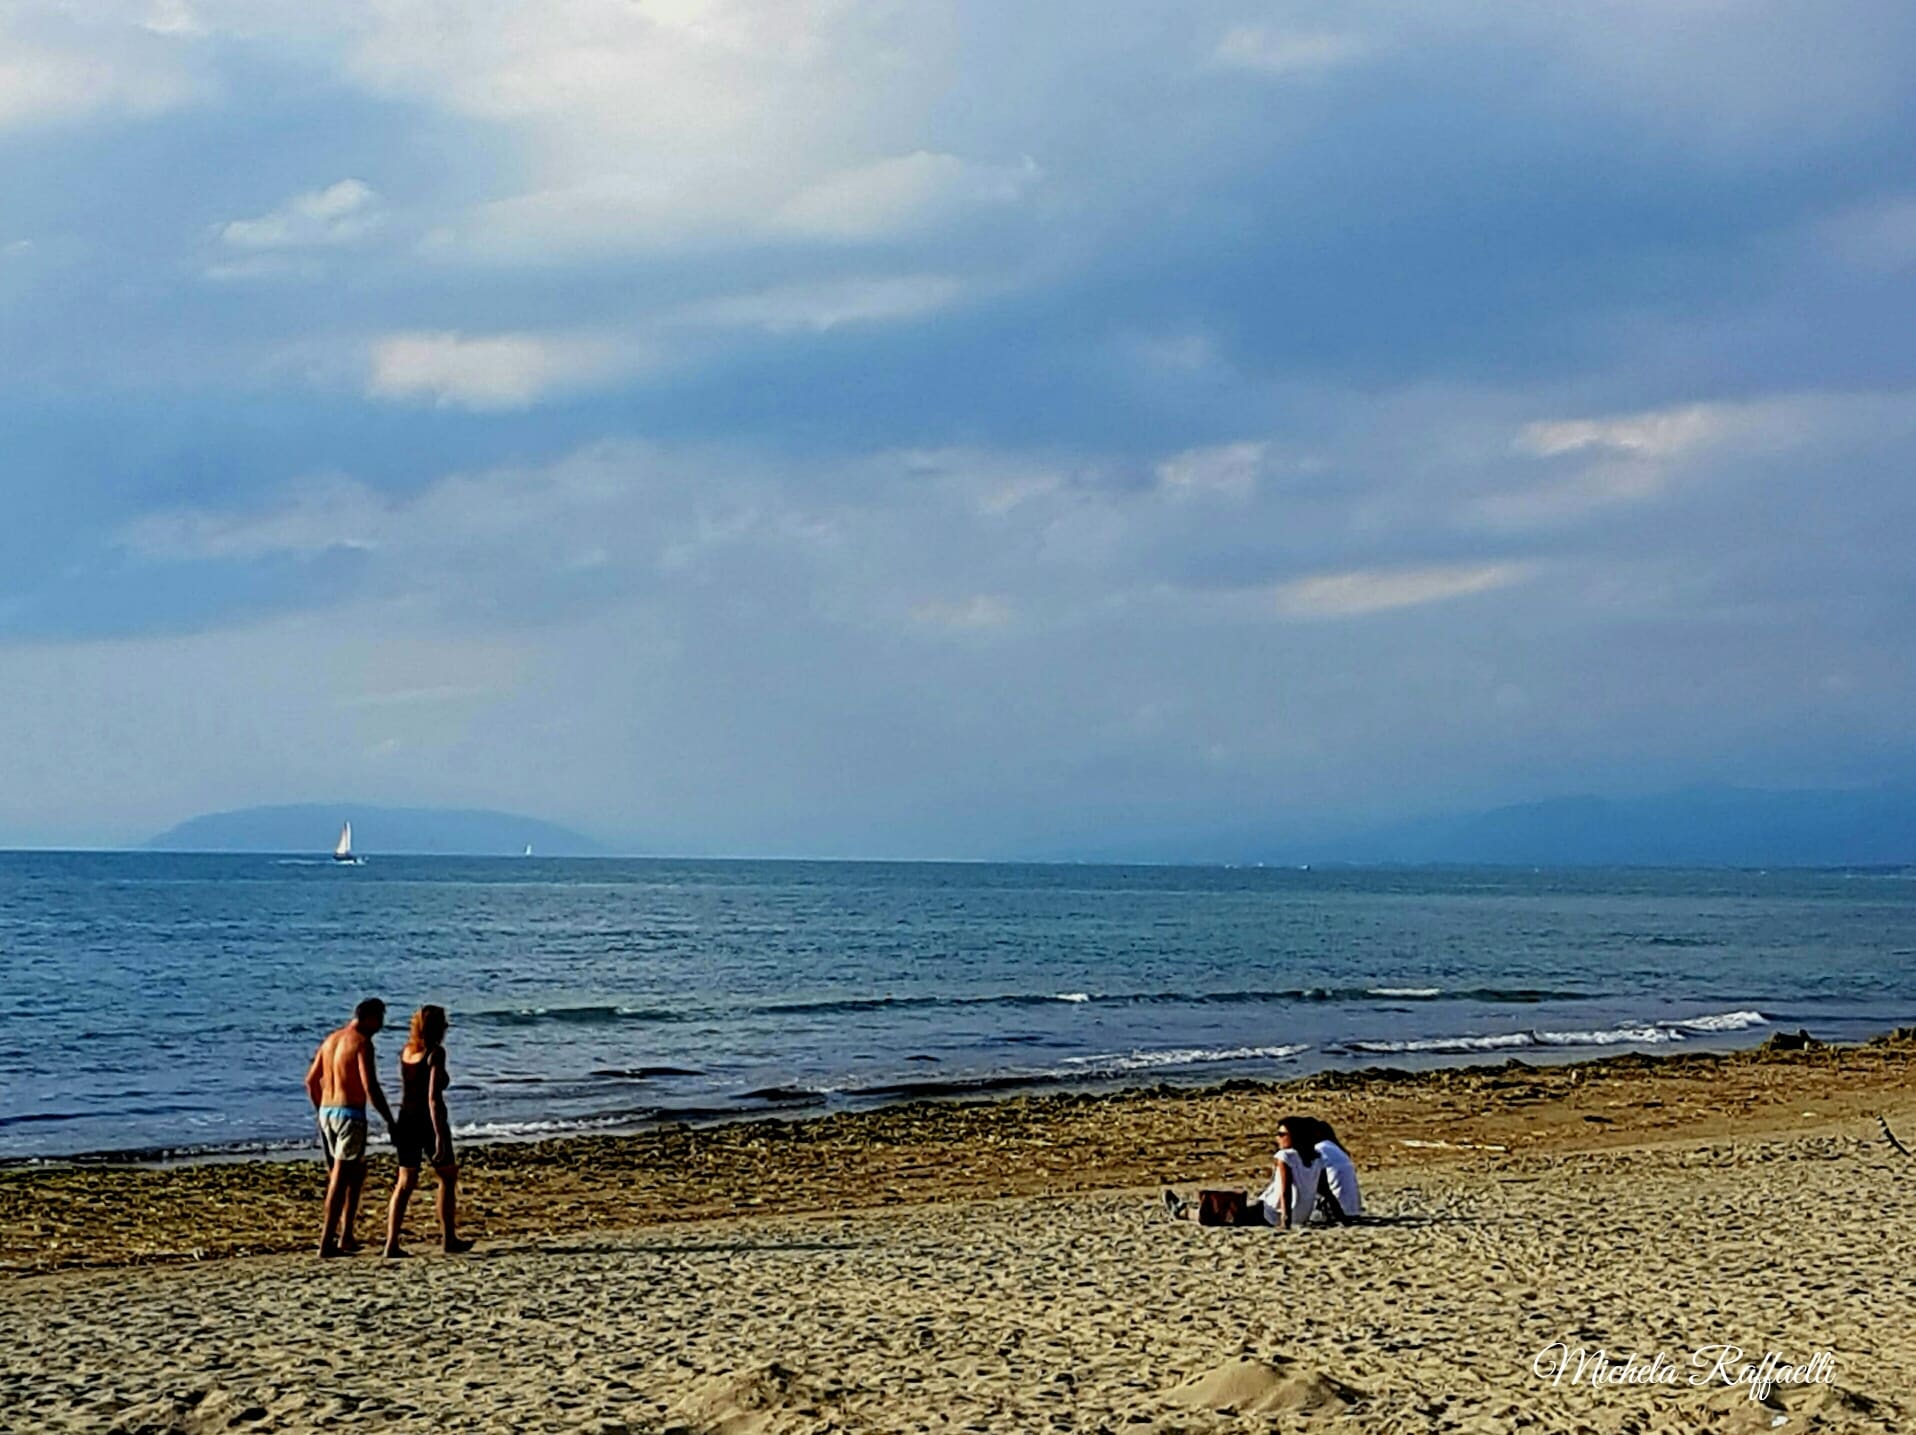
[[343, 849], [528, 851]]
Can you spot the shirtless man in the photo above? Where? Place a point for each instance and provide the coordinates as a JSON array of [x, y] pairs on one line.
[[340, 1082]]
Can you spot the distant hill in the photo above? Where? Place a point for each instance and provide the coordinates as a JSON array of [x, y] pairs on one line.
[[314, 827], [1697, 826]]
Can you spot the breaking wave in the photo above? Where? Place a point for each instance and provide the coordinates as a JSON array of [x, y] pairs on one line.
[[1657, 1033]]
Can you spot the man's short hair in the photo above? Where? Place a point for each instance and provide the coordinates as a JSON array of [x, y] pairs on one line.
[[369, 1010]]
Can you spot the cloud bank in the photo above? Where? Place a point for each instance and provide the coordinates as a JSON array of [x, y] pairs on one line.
[[950, 429]]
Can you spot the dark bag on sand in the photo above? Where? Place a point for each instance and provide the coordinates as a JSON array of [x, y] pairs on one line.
[[1220, 1208]]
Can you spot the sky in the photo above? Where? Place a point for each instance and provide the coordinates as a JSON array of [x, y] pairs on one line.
[[936, 429]]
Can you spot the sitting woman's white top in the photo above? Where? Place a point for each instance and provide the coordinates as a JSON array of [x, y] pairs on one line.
[[1341, 1176], [1303, 1189]]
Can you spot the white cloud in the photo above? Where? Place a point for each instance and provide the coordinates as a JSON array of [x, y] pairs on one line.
[[827, 305], [497, 371], [604, 214], [79, 71], [1230, 469], [1594, 463], [977, 613], [1662, 433], [338, 214], [656, 124], [1357, 592], [617, 212], [1273, 50], [172, 17], [901, 195], [1599, 463]]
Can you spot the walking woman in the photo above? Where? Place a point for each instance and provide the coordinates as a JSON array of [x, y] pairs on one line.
[[423, 1130]]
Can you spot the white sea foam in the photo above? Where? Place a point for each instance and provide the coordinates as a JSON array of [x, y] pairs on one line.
[[1445, 1043], [540, 1127], [1725, 1021], [1658, 1033], [1184, 1056], [1404, 991], [506, 1130], [1072, 997]]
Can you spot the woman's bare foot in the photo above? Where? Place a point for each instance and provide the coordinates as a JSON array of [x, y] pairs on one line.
[[457, 1247], [393, 1253], [351, 1247]]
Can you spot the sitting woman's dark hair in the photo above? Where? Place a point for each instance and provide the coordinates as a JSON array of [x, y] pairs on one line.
[[1303, 1133], [1324, 1132]]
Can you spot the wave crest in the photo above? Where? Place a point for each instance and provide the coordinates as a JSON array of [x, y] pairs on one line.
[[1656, 1033]]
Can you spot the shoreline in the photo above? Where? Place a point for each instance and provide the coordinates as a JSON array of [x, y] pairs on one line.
[[800, 1103], [935, 1152]]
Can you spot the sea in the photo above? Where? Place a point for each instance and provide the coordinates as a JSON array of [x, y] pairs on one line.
[[165, 1006]]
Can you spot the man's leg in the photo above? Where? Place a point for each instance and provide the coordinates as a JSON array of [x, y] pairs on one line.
[[355, 1177], [335, 1209]]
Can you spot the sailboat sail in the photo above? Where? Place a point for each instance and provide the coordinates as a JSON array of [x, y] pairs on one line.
[[344, 850]]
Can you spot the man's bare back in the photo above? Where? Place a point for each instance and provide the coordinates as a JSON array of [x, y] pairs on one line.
[[340, 1066]]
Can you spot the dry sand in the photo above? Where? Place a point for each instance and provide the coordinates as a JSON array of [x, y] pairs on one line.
[[1775, 1231]]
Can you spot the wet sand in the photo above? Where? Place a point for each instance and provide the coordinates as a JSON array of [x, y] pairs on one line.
[[1006, 1267]]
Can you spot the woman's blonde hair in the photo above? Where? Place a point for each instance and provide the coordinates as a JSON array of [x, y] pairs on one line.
[[428, 1028]]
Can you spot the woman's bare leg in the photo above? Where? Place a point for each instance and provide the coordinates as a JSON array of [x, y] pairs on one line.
[[396, 1212], [449, 1210]]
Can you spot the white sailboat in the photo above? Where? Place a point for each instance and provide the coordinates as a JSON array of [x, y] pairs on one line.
[[528, 851], [343, 849]]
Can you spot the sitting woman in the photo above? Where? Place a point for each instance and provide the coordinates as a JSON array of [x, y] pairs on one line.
[[1340, 1196], [1295, 1176], [1337, 1197]]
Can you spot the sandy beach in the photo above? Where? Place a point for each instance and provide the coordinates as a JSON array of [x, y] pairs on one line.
[[1007, 1267]]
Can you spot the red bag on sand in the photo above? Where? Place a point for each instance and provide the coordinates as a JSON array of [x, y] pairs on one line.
[[1220, 1208]]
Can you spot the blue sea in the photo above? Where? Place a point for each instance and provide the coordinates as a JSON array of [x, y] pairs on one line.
[[168, 1004]]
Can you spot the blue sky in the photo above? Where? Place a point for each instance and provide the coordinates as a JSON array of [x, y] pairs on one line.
[[935, 429]]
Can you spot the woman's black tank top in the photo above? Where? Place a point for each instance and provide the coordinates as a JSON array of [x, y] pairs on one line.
[[415, 1081]]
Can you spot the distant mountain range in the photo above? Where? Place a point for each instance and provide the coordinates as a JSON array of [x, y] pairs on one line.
[[1693, 827], [313, 828]]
